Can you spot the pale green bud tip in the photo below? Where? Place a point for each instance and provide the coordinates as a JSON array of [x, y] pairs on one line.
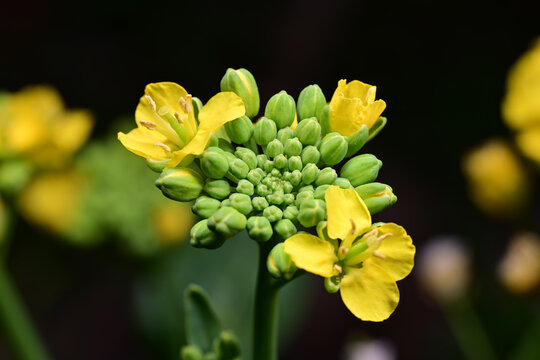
[[320, 191], [227, 221], [191, 352], [310, 155], [376, 196], [311, 212], [218, 189], [241, 202], [285, 228], [326, 176], [245, 187], [239, 169], [265, 131], [361, 169], [247, 156], [205, 206], [214, 163], [227, 346], [282, 109], [280, 264], [274, 148], [343, 183], [280, 161], [310, 102], [333, 148], [181, 184], [308, 131], [259, 228], [293, 147], [357, 140], [285, 134], [290, 212], [309, 173], [240, 129], [242, 83], [332, 285], [273, 213], [156, 165], [203, 237], [259, 203]]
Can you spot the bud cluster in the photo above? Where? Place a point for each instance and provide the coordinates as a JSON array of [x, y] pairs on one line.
[[270, 177]]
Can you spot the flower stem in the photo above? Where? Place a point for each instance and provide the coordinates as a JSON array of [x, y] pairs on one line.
[[16, 323], [266, 310]]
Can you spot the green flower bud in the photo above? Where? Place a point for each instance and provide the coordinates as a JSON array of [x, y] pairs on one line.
[[254, 177], [259, 203], [333, 284], [310, 155], [274, 148], [285, 228], [157, 165], [245, 187], [214, 163], [285, 134], [275, 173], [343, 183], [281, 108], [357, 140], [293, 147], [265, 131], [239, 130], [261, 159], [287, 187], [326, 176], [243, 84], [376, 196], [241, 202], [210, 356], [247, 155], [239, 169], [259, 228], [290, 212], [268, 166], [205, 206], [324, 119], [303, 196], [308, 131], [320, 191], [218, 189], [288, 199], [226, 203], [309, 173], [202, 237], [306, 188], [280, 264], [227, 346], [181, 184], [333, 148], [296, 177], [225, 145], [280, 161], [191, 352], [197, 106], [227, 221], [275, 198], [310, 102], [311, 212], [214, 141], [273, 213], [295, 163], [262, 190], [361, 169]]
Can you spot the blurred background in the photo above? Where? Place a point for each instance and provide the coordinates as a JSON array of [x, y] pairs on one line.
[[440, 67]]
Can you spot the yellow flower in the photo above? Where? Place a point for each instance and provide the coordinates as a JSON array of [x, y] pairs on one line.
[[172, 221], [366, 260], [166, 124], [497, 180], [519, 270], [354, 105], [35, 124]]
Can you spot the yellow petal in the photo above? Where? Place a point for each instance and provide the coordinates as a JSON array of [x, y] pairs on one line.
[[142, 141], [220, 109], [529, 143], [71, 131], [344, 207], [369, 293], [311, 254], [398, 251]]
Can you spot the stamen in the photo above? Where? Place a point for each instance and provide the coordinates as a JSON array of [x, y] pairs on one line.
[[148, 124], [379, 254], [341, 94], [185, 103], [370, 92], [151, 102], [343, 251], [163, 146], [180, 119], [353, 226], [338, 268]]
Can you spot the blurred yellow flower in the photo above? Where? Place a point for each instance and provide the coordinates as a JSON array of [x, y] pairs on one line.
[[50, 200], [35, 124], [498, 183], [365, 264], [521, 105], [172, 221], [354, 105], [519, 270], [167, 128]]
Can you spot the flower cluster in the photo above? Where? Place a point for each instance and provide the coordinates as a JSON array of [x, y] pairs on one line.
[[296, 170]]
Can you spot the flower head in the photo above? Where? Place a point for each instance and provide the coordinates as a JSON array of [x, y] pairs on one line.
[[363, 260], [519, 270], [167, 128], [354, 105]]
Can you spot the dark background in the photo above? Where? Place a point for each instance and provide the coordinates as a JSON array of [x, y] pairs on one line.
[[440, 66]]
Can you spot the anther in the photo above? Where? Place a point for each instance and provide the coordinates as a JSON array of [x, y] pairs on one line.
[[185, 103], [163, 146], [353, 226], [151, 102], [148, 124], [343, 251], [179, 118], [379, 254], [338, 268]]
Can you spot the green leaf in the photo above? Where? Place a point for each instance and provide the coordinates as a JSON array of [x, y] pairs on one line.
[[202, 324]]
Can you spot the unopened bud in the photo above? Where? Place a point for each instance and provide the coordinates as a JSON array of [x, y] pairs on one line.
[[181, 184], [357, 140], [245, 187], [239, 169], [225, 146], [343, 183], [254, 176], [320, 191], [259, 203], [191, 352], [376, 196], [303, 196], [259, 228], [274, 148], [311, 212], [202, 237], [261, 159], [309, 173], [262, 190], [241, 202], [288, 199], [285, 228], [290, 212], [280, 264], [227, 221], [333, 148], [242, 83], [326, 176], [308, 131], [332, 285], [218, 189], [273, 213], [240, 129], [310, 102], [285, 134], [157, 165], [281, 108], [265, 131], [227, 346], [276, 198], [324, 119], [310, 155], [293, 147], [205, 206], [361, 169], [295, 163], [247, 156], [295, 178], [214, 163]]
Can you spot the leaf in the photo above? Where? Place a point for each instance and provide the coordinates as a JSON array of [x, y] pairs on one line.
[[202, 324]]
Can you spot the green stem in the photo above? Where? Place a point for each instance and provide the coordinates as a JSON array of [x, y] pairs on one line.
[[468, 331], [16, 323], [266, 310]]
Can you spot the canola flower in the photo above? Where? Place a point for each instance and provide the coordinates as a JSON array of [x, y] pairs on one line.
[[362, 261], [519, 269], [293, 171]]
